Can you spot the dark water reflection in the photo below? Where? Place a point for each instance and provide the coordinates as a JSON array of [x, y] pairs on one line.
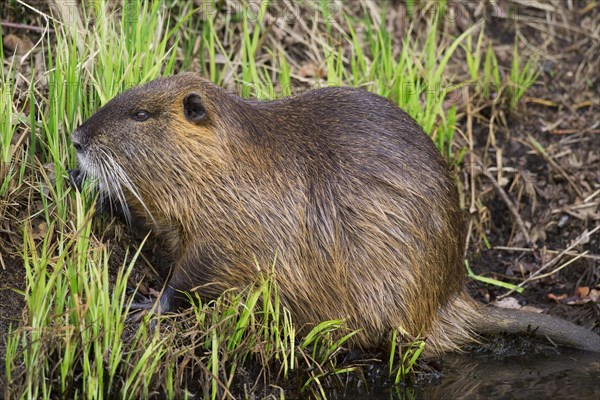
[[568, 375]]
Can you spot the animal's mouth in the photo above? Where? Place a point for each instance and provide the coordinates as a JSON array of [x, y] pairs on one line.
[[78, 176], [84, 170], [114, 184]]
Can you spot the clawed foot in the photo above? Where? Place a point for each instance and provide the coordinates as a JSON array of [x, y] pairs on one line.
[[141, 303], [75, 178]]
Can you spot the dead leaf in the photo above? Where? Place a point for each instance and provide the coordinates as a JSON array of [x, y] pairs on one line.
[[558, 299], [582, 295], [582, 291], [143, 289], [14, 44], [40, 230], [507, 302], [575, 301], [532, 309], [312, 70]]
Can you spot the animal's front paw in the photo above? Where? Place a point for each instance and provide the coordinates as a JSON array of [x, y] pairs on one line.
[[159, 305], [75, 178]]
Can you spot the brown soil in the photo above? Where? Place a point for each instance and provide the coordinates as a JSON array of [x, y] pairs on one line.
[[556, 193]]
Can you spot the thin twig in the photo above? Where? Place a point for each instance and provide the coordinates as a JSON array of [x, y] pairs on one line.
[[469, 112], [566, 264], [472, 207], [23, 26], [528, 250], [510, 205], [35, 10], [538, 147], [553, 261]]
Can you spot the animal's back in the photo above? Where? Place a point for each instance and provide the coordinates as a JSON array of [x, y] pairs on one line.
[[379, 238]]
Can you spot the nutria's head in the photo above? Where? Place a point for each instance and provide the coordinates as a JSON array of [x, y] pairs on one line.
[[148, 145]]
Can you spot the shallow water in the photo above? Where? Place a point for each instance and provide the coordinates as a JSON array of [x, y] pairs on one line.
[[568, 375]]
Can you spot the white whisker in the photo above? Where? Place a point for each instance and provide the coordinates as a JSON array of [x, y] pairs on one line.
[[115, 179]]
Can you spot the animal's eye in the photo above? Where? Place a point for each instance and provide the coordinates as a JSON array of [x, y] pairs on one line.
[[141, 115]]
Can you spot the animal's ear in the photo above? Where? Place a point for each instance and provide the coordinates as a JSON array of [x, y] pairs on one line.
[[193, 109]]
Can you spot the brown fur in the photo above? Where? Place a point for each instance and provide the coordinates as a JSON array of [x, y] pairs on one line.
[[339, 186]]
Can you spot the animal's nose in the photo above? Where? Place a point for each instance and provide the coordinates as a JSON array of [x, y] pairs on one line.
[[77, 140]]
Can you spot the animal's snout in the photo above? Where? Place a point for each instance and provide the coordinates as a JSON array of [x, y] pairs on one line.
[[77, 140]]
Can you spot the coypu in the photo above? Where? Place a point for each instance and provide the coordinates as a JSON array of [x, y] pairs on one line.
[[340, 186]]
